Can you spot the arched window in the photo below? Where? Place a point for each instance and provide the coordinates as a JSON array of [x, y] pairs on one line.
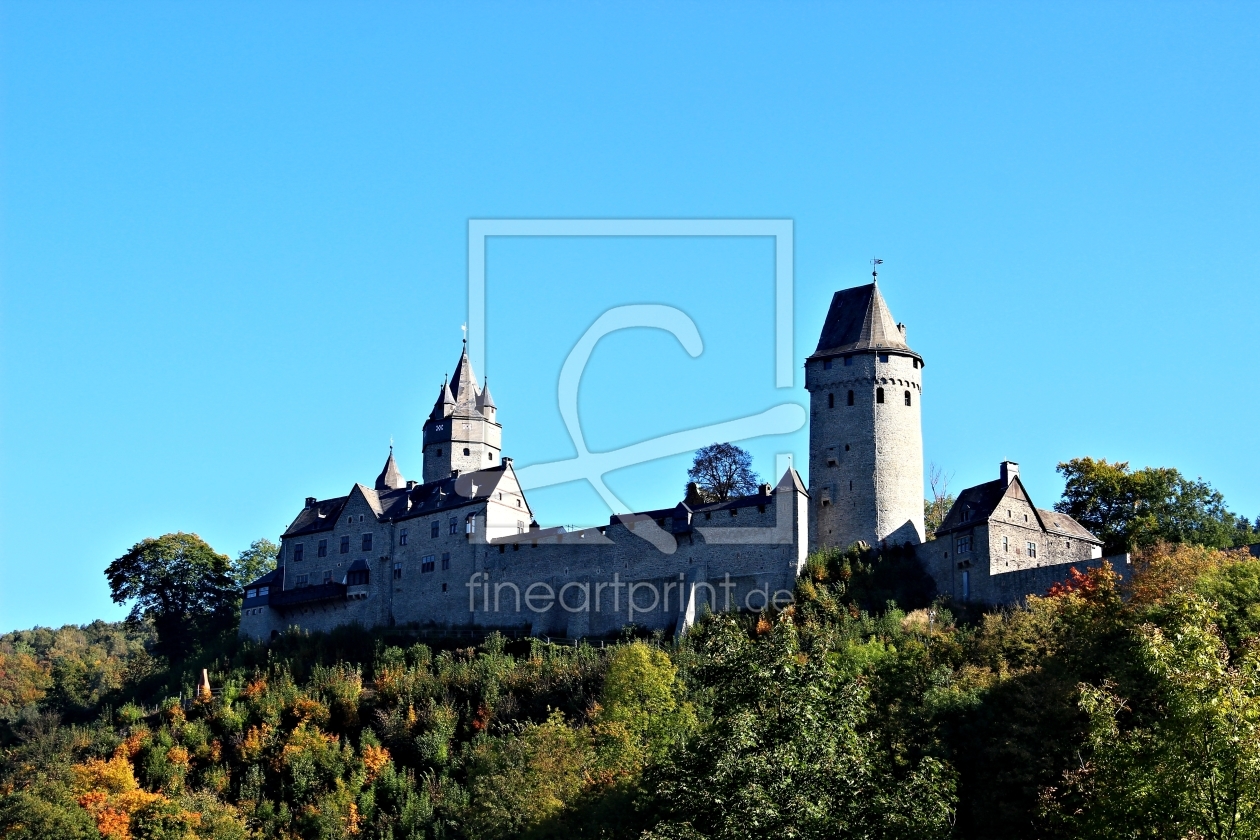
[[850, 398], [831, 401], [879, 395], [466, 452], [907, 398]]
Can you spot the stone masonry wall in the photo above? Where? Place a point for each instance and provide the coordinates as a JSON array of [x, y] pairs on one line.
[[866, 460]]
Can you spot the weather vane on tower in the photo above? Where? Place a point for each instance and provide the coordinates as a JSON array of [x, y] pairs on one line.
[[874, 273]]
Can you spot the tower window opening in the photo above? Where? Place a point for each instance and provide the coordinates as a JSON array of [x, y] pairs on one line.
[[846, 447], [1006, 543], [466, 452], [848, 361], [883, 357], [907, 398], [439, 452], [826, 364], [879, 395], [850, 398], [850, 485], [490, 455], [831, 401]]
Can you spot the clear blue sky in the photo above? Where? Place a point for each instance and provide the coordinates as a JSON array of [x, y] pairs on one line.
[[234, 242]]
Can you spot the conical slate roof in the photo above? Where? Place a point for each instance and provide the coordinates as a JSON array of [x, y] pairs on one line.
[[464, 381], [859, 320], [484, 400], [444, 402], [390, 477]]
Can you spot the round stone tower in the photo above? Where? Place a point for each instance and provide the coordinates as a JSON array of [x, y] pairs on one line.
[[865, 435]]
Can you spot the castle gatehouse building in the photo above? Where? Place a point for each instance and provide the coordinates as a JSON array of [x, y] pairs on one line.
[[462, 549]]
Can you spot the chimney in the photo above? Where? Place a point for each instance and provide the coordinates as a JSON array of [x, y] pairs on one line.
[[1010, 470], [310, 501], [765, 490]]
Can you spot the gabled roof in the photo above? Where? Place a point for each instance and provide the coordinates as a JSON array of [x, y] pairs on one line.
[[791, 481], [976, 505], [390, 477], [859, 320]]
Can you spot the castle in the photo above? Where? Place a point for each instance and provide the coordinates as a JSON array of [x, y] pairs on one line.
[[461, 549]]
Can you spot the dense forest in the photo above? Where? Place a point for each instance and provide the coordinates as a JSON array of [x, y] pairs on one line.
[[869, 708]]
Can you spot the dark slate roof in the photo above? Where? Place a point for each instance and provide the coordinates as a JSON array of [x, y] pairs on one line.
[[272, 578], [464, 382], [859, 320], [321, 516], [790, 481], [448, 493], [982, 500], [390, 477], [444, 399], [1061, 523], [484, 400]]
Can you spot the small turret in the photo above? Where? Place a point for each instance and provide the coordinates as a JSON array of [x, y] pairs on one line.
[[485, 402], [390, 477]]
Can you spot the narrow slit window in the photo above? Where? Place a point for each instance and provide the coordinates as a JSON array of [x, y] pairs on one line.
[[831, 401], [879, 395], [850, 398], [907, 398]]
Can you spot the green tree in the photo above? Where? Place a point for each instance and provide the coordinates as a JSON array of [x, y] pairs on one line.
[[1192, 769], [723, 471], [640, 708], [254, 562], [1130, 510], [788, 753], [181, 585]]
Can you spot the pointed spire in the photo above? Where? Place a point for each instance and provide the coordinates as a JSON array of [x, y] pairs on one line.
[[464, 381], [390, 478], [484, 400], [445, 403]]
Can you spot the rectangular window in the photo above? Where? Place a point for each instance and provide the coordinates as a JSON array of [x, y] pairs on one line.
[[251, 593], [367, 542], [426, 564], [297, 553], [966, 585], [1032, 549], [826, 364], [402, 537], [520, 526], [263, 590], [848, 361], [454, 525], [357, 578], [398, 571], [345, 545], [435, 528], [301, 580], [471, 524], [322, 549], [446, 561], [883, 357], [1006, 543], [328, 576], [964, 544]]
